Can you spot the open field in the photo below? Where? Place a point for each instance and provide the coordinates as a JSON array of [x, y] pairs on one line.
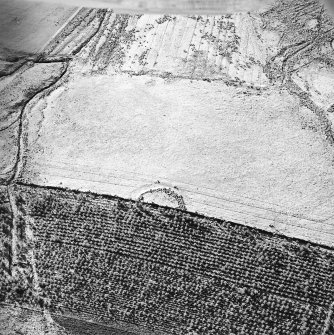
[[25, 27], [220, 147], [193, 103]]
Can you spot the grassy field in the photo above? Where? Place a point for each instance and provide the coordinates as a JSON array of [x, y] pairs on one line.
[[200, 103]]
